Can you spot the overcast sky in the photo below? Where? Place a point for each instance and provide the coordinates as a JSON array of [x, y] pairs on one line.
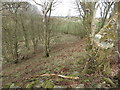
[[65, 8]]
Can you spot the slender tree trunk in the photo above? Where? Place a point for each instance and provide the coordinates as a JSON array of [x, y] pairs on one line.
[[34, 39], [46, 36], [25, 35], [16, 43], [118, 9], [93, 26]]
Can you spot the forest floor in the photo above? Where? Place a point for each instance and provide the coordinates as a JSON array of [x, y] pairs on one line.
[[66, 58]]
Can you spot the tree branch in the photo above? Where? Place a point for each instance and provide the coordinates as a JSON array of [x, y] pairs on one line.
[[38, 3]]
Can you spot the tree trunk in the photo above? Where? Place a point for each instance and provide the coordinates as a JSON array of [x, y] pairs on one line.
[[93, 26], [46, 35], [34, 39], [16, 43], [25, 34], [118, 40]]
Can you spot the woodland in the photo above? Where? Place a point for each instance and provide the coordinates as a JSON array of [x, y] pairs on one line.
[[44, 51]]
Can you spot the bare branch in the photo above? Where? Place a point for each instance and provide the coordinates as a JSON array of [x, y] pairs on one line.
[[49, 7], [38, 3]]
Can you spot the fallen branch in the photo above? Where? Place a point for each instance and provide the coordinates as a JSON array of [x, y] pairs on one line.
[[58, 75], [62, 76]]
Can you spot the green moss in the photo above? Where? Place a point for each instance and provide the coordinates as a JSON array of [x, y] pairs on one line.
[[75, 74], [31, 85], [31, 80], [48, 84], [59, 79], [80, 61], [8, 85], [13, 86], [109, 81], [20, 84], [83, 57]]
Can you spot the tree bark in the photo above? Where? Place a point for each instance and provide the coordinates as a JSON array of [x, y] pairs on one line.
[[25, 34], [16, 42], [118, 40], [46, 35], [93, 26]]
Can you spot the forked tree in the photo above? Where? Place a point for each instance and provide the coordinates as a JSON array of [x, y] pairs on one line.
[[100, 46], [46, 6]]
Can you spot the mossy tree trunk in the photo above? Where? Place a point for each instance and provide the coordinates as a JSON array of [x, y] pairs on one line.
[[118, 9], [98, 52]]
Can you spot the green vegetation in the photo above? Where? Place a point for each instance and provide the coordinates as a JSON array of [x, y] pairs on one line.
[[70, 26], [41, 51]]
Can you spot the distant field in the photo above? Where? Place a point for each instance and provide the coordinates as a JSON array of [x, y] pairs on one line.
[[69, 26]]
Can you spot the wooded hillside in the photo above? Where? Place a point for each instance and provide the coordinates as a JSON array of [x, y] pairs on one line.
[[44, 51]]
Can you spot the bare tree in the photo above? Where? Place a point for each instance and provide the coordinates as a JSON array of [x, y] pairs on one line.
[[11, 11], [105, 8], [22, 16], [13, 8], [98, 54], [46, 9], [86, 10]]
